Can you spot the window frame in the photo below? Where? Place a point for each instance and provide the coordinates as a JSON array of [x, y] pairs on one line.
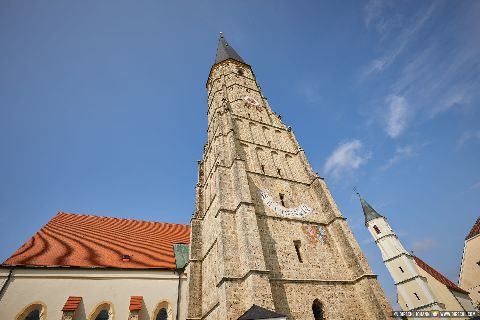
[[163, 304], [101, 306], [35, 305]]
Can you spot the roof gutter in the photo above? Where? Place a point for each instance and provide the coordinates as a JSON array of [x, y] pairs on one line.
[[5, 284]]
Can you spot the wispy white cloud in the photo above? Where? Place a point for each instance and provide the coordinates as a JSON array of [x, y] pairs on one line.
[[375, 18], [452, 98], [400, 154], [422, 245], [346, 158], [441, 72], [373, 11], [403, 152], [399, 111], [475, 186], [441, 82], [467, 136]]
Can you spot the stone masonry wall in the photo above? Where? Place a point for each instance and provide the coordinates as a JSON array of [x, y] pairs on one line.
[[247, 252]]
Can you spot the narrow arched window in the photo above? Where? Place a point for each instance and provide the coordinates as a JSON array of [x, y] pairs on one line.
[[240, 71], [297, 244], [163, 311], [34, 311], [377, 230], [102, 315], [317, 309], [162, 314], [282, 198], [103, 311], [33, 315]]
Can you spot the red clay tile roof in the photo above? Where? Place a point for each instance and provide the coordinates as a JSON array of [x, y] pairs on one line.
[[135, 303], [72, 303], [437, 275], [90, 241], [475, 230]]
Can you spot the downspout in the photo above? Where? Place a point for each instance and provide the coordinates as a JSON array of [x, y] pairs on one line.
[[180, 272], [5, 284]]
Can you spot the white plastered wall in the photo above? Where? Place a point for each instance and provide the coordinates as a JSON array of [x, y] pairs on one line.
[[52, 287], [470, 269]]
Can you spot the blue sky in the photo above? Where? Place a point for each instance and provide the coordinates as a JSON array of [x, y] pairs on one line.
[[103, 109]]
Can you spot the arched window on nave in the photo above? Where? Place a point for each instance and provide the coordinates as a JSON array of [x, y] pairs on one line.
[[103, 311], [33, 315], [162, 314], [317, 309], [102, 315], [163, 311], [34, 311]]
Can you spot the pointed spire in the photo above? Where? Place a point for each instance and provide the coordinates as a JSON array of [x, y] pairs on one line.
[[368, 210], [225, 51]]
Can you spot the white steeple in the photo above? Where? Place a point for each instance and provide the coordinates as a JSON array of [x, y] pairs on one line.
[[413, 290]]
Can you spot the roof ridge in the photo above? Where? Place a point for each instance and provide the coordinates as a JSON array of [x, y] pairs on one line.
[[117, 218], [438, 275], [475, 230]]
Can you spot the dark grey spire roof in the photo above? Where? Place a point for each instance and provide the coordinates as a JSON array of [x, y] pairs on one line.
[[368, 211], [256, 312], [225, 51]]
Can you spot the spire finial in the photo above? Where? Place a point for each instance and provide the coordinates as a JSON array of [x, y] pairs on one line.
[[356, 191], [221, 34]]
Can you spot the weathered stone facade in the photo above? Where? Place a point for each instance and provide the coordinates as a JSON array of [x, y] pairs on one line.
[[246, 252]]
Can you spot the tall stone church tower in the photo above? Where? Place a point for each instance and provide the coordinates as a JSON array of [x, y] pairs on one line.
[[266, 231]]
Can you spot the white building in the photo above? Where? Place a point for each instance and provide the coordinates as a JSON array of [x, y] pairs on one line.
[[419, 286], [470, 268], [97, 268]]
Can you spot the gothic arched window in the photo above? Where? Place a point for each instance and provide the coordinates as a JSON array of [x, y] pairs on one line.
[[163, 311], [33, 315], [317, 309], [102, 315], [162, 314], [34, 311], [103, 311]]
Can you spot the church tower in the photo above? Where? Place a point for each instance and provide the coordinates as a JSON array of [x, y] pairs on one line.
[[266, 232], [413, 290]]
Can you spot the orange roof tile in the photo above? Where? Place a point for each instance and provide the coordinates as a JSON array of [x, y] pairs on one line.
[[72, 303], [135, 303], [437, 275], [79, 240], [475, 230]]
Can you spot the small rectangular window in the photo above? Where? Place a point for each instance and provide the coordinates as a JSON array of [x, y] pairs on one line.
[[478, 263], [279, 172], [377, 230], [401, 269], [297, 244], [282, 198], [416, 295], [263, 168]]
